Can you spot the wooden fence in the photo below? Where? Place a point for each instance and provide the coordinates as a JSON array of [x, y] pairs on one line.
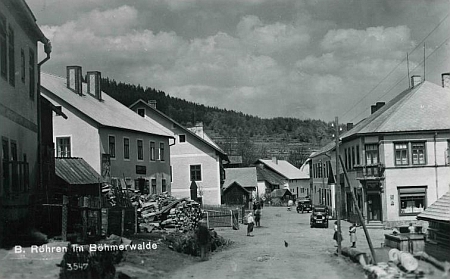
[[223, 216]]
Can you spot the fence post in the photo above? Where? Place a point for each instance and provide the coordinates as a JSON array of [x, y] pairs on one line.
[[64, 218], [122, 223]]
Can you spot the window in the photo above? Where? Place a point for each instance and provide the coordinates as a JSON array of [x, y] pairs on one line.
[[22, 65], [182, 138], [371, 154], [345, 158], [152, 151], [401, 154], [63, 147], [358, 162], [161, 151], [418, 153], [141, 111], [171, 174], [12, 62], [32, 85], [163, 185], [5, 165], [196, 172], [412, 200], [126, 148], [3, 53], [153, 186], [353, 157], [140, 150], [112, 146]]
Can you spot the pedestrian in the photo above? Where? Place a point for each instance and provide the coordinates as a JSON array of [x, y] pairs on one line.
[[352, 232], [337, 235], [255, 205], [258, 217], [411, 228], [250, 224], [203, 238], [290, 203]]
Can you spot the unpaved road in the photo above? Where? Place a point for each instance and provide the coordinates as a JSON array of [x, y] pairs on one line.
[[310, 252]]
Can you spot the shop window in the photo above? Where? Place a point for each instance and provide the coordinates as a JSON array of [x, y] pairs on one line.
[[412, 200]]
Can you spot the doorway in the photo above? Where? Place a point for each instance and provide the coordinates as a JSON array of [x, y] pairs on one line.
[[373, 207]]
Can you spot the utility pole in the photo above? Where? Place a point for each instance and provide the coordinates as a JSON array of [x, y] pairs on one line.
[[338, 188]]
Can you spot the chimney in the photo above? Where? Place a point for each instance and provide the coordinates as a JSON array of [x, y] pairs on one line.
[[373, 109], [152, 103], [379, 105], [74, 79], [415, 80], [275, 160], [446, 80], [349, 126], [93, 84]]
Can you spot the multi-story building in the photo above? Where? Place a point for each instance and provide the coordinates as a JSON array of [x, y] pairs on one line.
[[116, 142], [19, 106], [194, 157], [397, 158]]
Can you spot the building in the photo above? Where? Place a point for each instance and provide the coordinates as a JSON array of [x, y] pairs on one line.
[[284, 173], [236, 195], [245, 177], [322, 183], [397, 158], [438, 217], [194, 157], [19, 110], [112, 139]]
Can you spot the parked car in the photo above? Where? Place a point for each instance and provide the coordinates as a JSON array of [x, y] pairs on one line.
[[304, 205], [319, 216]]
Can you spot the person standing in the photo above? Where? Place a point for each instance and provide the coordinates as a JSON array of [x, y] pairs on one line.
[[258, 217], [203, 238], [250, 224], [336, 236], [352, 232]]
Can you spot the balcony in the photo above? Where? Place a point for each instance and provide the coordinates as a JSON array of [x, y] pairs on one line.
[[370, 172]]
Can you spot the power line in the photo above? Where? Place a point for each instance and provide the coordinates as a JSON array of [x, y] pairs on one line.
[[378, 84], [403, 78]]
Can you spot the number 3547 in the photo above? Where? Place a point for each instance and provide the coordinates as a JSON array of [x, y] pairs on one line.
[[76, 266]]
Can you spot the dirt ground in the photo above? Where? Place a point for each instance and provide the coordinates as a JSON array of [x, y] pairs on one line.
[[310, 254]]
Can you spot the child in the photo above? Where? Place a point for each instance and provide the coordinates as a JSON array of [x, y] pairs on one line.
[[250, 224], [352, 231]]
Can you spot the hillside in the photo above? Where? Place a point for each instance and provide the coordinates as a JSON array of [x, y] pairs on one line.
[[235, 132]]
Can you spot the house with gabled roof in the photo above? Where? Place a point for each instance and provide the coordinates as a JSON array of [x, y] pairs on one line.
[[20, 38], [280, 174], [245, 177], [397, 158], [111, 138], [194, 156]]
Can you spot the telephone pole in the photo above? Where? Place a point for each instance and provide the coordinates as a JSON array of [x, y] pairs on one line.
[[338, 188]]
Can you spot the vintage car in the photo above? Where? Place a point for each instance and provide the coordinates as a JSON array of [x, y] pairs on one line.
[[304, 205], [319, 216]]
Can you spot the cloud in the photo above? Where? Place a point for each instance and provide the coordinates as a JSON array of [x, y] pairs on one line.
[[270, 38], [372, 42]]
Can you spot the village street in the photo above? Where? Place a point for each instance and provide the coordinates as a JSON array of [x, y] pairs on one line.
[[310, 251]]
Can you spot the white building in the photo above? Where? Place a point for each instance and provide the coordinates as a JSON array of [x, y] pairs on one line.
[[194, 157]]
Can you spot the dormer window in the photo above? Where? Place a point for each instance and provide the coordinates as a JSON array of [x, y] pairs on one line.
[[182, 138], [141, 111]]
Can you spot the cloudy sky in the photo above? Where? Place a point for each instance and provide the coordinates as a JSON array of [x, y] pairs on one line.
[[294, 58]]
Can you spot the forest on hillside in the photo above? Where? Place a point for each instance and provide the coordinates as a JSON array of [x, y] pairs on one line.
[[236, 133]]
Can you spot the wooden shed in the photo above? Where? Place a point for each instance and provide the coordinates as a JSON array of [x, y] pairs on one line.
[[280, 196], [236, 195]]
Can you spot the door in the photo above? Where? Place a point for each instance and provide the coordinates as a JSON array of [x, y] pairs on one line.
[[373, 207]]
